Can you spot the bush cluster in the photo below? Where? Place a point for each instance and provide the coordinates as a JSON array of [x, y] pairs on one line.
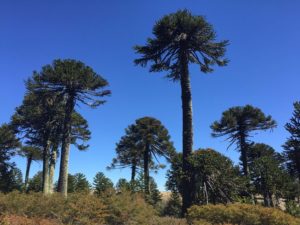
[[123, 208], [239, 214]]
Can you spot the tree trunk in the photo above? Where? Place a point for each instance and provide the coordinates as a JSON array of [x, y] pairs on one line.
[[187, 131], [133, 172], [244, 152], [146, 170], [29, 161], [46, 156], [65, 149], [52, 169]]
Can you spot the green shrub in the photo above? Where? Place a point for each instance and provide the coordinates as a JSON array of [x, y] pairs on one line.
[[126, 208], [293, 208], [239, 214]]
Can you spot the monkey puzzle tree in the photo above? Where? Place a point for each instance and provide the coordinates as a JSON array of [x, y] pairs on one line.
[[37, 122], [237, 123], [181, 39], [154, 141], [292, 145], [266, 172], [77, 83]]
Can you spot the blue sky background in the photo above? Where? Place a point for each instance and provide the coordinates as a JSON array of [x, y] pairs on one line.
[[263, 70]]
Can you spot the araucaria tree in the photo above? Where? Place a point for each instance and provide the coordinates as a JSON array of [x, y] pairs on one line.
[[237, 123], [181, 39], [292, 145], [145, 141], [76, 83]]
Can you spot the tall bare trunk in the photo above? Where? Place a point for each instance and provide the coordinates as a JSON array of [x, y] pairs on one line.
[[146, 170], [29, 161], [46, 157], [65, 149], [52, 169], [187, 130], [244, 153]]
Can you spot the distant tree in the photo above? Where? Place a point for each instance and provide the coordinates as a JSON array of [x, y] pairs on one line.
[[76, 83], [123, 184], [31, 153], [144, 142], [154, 195], [292, 145], [215, 179], [36, 182], [8, 145], [71, 183], [237, 123], [173, 205], [154, 141], [81, 183], [101, 183], [181, 39], [266, 172]]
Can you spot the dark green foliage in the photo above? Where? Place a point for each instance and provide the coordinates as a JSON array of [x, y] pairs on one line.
[[266, 172], [71, 183], [144, 142], [181, 32], [215, 179], [122, 185], [292, 145], [101, 183], [74, 83], [237, 123], [9, 174], [173, 205], [81, 183], [36, 182]]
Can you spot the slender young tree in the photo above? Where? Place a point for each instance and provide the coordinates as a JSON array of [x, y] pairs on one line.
[[77, 83], [154, 140], [237, 123], [181, 39], [31, 153], [101, 183], [292, 145]]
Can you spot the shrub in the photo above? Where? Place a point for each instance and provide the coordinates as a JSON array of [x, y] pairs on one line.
[[239, 214], [126, 208], [293, 208], [78, 209]]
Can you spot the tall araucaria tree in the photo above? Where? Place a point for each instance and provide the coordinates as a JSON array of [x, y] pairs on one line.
[[181, 39], [237, 123], [76, 83], [292, 145]]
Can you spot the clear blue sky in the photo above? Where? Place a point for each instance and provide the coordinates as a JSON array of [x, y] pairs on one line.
[[263, 70]]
